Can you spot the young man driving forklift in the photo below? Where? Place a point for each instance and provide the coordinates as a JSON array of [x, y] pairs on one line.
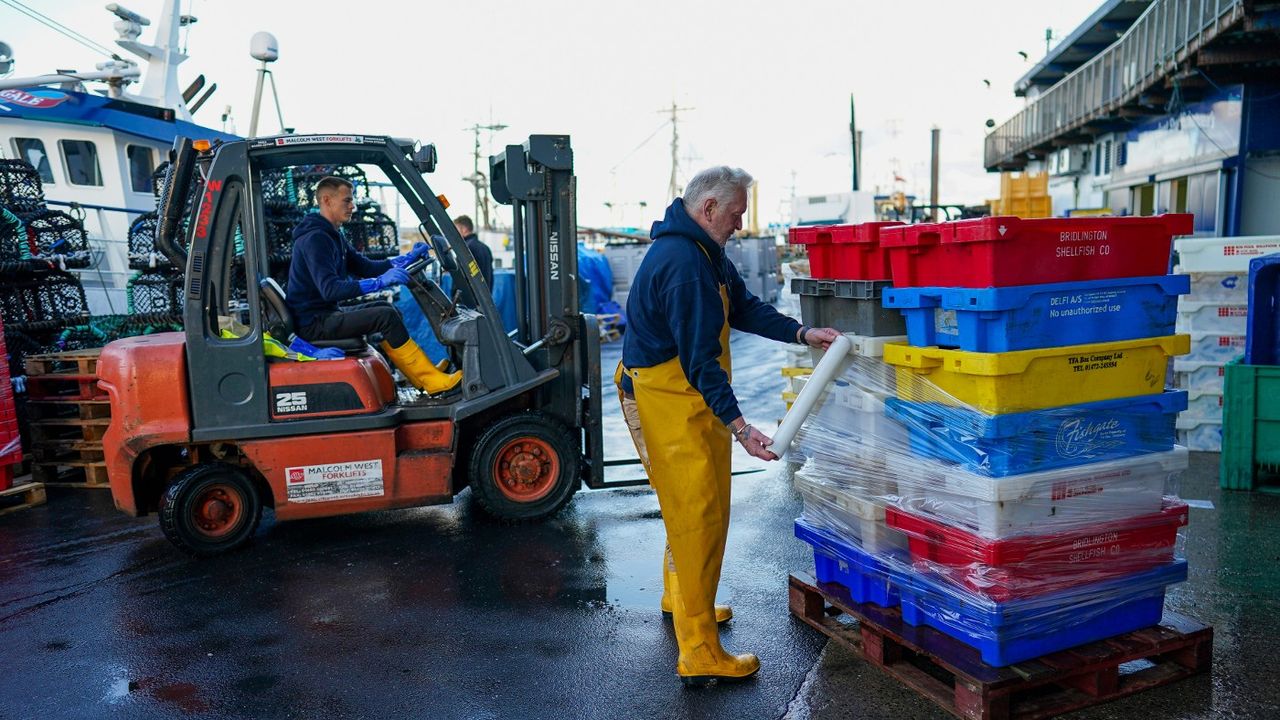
[[326, 269]]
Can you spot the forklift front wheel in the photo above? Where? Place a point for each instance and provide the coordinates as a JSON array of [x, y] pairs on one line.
[[524, 467], [209, 509]]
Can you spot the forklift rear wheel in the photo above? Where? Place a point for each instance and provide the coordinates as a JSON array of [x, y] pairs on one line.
[[524, 467], [209, 509]]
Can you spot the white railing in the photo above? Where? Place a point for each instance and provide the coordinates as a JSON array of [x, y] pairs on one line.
[[1157, 43]]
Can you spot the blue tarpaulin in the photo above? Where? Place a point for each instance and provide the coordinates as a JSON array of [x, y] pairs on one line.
[[504, 296], [595, 293]]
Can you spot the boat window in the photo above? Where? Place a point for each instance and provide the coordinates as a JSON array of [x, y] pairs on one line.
[[81, 160], [32, 150], [141, 166]]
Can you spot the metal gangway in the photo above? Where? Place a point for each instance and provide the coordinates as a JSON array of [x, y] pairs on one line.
[[1158, 43]]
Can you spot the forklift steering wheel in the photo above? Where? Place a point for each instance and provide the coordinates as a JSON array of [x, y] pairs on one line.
[[419, 265]]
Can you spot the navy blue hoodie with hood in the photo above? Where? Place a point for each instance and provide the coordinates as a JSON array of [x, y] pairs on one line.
[[325, 270], [674, 309]]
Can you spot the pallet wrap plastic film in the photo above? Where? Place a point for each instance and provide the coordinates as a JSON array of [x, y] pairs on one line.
[[1024, 532]]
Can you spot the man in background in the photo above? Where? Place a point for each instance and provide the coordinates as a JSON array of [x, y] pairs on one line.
[[479, 251]]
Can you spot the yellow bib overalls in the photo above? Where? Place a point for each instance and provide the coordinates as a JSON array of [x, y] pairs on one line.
[[688, 462]]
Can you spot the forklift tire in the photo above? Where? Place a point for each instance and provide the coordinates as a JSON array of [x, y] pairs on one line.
[[524, 467], [210, 509]]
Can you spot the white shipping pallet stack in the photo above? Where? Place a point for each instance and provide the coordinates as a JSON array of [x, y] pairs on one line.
[[1214, 314]]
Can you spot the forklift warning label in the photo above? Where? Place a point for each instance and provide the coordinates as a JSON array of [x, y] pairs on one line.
[[339, 481]]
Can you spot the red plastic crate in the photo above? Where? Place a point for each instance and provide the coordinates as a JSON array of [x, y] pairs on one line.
[[818, 243], [1004, 251], [1030, 565], [845, 252]]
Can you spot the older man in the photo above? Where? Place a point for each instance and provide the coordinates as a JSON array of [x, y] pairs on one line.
[[674, 386]]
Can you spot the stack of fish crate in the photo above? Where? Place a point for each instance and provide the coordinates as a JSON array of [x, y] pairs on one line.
[[841, 489], [1025, 460], [1214, 314]]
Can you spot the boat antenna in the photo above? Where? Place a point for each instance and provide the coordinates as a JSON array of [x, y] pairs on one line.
[[264, 48]]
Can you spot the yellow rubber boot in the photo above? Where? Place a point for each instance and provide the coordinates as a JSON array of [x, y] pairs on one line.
[[443, 364], [702, 660], [419, 370], [724, 613]]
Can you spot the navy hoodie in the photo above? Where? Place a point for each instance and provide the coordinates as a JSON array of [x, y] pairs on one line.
[[674, 309], [325, 270]]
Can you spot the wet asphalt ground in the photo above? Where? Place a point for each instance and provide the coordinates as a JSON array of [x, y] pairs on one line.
[[438, 613]]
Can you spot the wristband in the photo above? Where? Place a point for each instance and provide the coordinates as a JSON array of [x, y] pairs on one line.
[[740, 433], [802, 333]]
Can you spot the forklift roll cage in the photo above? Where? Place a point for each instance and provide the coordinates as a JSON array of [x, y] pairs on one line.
[[551, 362]]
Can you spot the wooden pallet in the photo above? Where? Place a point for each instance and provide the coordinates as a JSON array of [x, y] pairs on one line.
[[57, 430], [31, 494], [71, 473], [67, 408], [64, 386], [952, 675], [74, 362], [67, 451]]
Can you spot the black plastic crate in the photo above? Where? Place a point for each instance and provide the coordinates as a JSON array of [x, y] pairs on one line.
[[850, 306]]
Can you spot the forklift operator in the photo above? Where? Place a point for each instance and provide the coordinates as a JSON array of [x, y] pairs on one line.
[[326, 270]]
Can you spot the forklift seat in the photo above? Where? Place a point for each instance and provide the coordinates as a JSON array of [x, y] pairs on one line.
[[279, 320]]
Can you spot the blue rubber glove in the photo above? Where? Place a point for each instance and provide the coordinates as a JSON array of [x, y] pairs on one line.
[[402, 261], [302, 346], [394, 276]]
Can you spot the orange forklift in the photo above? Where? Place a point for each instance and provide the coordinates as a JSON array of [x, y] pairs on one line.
[[206, 430]]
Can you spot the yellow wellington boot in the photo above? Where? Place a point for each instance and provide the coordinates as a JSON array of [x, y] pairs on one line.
[[702, 660], [724, 613], [419, 370], [443, 364]]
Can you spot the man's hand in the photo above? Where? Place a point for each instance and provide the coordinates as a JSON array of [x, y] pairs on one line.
[[403, 261], [394, 276], [821, 337], [752, 440]]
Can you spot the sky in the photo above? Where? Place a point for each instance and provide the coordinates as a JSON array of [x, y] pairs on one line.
[[767, 83]]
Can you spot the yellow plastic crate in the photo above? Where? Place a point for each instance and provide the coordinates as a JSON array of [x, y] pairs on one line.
[[1011, 382]]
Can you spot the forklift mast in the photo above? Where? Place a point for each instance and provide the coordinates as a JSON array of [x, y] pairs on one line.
[[536, 179]]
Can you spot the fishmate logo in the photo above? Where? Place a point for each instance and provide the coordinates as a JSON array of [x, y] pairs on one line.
[[1078, 437]]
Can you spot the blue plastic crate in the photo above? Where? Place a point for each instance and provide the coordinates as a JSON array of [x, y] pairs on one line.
[[868, 578], [1019, 630], [1016, 443], [1040, 316], [1262, 340]]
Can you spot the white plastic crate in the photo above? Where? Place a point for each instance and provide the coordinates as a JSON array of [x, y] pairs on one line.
[[1214, 348], [1203, 406], [1202, 376], [1212, 316], [1200, 435], [859, 520], [1227, 286], [1040, 503], [1231, 254]]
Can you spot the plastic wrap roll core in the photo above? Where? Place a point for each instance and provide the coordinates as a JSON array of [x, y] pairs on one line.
[[823, 374]]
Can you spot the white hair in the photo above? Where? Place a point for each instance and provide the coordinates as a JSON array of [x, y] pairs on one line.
[[721, 183]]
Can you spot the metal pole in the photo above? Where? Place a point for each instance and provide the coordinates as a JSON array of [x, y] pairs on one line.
[[854, 138], [257, 101], [933, 171], [276, 98]]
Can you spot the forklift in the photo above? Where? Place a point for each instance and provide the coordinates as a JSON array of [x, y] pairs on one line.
[[206, 430]]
